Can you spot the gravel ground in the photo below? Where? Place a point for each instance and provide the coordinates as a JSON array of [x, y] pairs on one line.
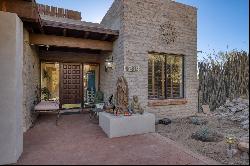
[[180, 130]]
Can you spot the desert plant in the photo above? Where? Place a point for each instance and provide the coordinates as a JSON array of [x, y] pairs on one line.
[[206, 134], [225, 76], [46, 93], [46, 75]]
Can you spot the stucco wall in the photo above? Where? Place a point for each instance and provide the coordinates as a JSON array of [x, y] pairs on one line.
[[141, 33], [31, 80], [11, 89]]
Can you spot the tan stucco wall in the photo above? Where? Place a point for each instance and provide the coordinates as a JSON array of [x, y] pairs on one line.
[[31, 80], [11, 89], [140, 33]]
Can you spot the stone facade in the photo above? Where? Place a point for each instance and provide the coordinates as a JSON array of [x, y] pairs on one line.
[[31, 80], [113, 20], [141, 25]]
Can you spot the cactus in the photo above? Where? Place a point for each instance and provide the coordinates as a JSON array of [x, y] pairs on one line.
[[224, 77]]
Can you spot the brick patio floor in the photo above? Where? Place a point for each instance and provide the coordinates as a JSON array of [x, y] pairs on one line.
[[77, 141]]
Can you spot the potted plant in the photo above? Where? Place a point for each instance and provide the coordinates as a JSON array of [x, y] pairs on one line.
[[46, 93]]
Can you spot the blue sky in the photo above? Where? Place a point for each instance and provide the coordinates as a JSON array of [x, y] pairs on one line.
[[222, 24]]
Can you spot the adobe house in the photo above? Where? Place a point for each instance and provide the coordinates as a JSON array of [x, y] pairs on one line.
[[153, 44]]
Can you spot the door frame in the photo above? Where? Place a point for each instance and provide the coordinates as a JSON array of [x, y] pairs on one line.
[[98, 77], [82, 64]]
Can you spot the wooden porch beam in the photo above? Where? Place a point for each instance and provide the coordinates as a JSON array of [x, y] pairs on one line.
[[60, 41]]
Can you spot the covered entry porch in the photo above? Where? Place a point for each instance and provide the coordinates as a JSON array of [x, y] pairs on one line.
[[72, 58]]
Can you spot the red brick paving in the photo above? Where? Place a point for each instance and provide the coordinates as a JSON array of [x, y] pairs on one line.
[[77, 141]]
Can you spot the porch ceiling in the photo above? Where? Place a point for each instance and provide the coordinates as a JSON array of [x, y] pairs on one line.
[[64, 32]]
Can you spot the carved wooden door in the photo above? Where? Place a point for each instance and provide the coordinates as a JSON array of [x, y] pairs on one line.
[[71, 83]]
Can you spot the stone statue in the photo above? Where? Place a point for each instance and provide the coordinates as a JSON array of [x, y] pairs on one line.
[[122, 93], [135, 106]]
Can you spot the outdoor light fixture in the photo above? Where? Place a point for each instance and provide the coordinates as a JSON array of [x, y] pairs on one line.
[[47, 46], [109, 64]]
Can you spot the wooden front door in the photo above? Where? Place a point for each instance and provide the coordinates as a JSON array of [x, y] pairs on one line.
[[71, 83]]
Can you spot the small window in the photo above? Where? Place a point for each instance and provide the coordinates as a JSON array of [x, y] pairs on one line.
[[165, 76]]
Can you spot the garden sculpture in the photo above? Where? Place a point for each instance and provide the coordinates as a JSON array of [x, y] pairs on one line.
[[122, 93], [135, 106]]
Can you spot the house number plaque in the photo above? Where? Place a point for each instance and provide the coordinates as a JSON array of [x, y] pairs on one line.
[[132, 68]]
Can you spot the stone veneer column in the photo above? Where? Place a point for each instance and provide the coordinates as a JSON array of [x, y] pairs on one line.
[[11, 90]]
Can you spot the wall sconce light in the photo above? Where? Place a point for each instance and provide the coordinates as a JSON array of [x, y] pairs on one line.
[[47, 47], [109, 64]]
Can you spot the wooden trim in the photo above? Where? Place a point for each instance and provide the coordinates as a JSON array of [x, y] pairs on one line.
[[69, 57], [60, 41], [60, 84], [153, 77], [167, 102], [81, 84]]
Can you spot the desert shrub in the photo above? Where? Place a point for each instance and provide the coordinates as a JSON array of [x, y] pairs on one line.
[[207, 135]]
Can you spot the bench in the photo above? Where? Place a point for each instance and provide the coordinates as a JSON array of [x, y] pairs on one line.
[[48, 107]]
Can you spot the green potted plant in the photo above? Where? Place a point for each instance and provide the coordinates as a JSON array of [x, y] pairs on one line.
[[46, 93]]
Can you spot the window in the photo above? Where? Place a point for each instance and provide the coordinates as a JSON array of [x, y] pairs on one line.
[[165, 76], [50, 81]]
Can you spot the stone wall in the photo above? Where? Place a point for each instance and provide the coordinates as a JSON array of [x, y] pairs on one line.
[[31, 80], [142, 25], [114, 20]]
